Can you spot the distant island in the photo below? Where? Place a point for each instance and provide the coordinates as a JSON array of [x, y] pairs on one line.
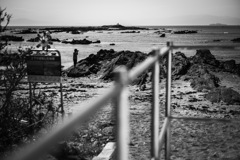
[[217, 24], [93, 28]]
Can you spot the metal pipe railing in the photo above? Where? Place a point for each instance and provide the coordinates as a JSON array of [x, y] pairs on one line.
[[122, 113], [168, 101], [155, 107], [119, 93], [142, 67], [161, 136]]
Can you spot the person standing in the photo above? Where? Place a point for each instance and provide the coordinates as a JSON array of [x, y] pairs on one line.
[[75, 54]]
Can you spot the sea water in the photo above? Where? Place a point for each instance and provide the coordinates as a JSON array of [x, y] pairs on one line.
[[143, 41]]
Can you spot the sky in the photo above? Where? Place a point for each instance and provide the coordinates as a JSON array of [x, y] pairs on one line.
[[125, 12]]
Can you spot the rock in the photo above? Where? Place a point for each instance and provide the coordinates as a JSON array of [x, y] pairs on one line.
[[197, 69], [131, 32], [36, 39], [11, 38], [55, 40], [126, 58], [106, 54], [226, 95], [75, 32], [83, 41], [180, 65], [108, 130], [84, 68], [204, 56], [163, 35], [27, 31], [229, 66], [236, 40], [185, 32], [104, 63], [217, 40], [200, 78], [97, 41]]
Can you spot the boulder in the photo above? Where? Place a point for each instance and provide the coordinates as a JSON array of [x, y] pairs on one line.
[[180, 65], [236, 40], [200, 78], [163, 35], [229, 66], [204, 56], [126, 58], [85, 67], [224, 94], [104, 54]]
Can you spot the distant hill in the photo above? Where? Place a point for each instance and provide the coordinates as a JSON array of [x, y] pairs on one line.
[[217, 24]]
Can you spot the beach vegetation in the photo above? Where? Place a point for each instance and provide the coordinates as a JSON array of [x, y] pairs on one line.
[[19, 119], [4, 21]]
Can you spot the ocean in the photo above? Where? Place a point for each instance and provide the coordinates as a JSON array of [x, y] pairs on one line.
[[143, 41]]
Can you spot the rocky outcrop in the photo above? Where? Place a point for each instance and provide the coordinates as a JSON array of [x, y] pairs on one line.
[[36, 39], [104, 63], [131, 32], [201, 79], [126, 58], [204, 56], [180, 65], [185, 32], [230, 66], [76, 32], [55, 40], [83, 41], [85, 67], [236, 40], [163, 35], [223, 94], [198, 69], [27, 31], [11, 38]]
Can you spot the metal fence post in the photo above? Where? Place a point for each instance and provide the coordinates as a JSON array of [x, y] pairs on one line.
[[155, 109], [61, 95], [122, 113], [30, 107], [168, 102]]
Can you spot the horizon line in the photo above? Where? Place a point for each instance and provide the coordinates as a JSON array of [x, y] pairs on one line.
[[123, 25]]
